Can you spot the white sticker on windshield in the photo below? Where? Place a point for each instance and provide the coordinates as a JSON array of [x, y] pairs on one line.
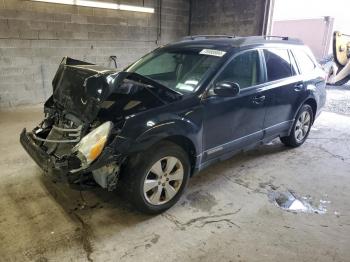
[[212, 52]]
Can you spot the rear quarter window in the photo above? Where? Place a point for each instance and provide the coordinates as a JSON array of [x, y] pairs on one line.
[[305, 62], [278, 64]]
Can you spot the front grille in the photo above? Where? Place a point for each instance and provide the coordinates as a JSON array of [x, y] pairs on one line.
[[67, 135]]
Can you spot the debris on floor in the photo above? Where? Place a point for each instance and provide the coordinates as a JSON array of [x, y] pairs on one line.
[[289, 201]]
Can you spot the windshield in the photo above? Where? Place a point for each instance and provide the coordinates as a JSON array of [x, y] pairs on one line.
[[180, 70]]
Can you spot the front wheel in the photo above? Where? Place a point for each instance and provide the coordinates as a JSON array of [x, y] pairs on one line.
[[301, 127], [154, 180]]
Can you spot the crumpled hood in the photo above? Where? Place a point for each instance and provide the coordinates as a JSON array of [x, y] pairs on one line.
[[80, 88]]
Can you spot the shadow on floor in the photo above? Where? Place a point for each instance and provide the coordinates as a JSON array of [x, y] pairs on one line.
[[73, 201], [96, 211]]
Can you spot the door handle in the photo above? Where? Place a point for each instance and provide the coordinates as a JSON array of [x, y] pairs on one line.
[[299, 87], [258, 99]]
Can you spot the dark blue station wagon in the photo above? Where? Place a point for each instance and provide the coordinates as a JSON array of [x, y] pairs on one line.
[[146, 130]]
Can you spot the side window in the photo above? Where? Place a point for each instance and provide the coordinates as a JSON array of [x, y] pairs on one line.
[[278, 64], [244, 70], [304, 61]]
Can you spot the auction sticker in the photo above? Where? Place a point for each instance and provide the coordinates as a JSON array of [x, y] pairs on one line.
[[212, 52]]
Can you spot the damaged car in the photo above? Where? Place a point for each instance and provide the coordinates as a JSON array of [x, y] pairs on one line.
[[147, 129]]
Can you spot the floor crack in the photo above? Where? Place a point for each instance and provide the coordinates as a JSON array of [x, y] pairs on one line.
[[332, 154], [146, 243], [183, 225], [85, 235], [220, 220], [234, 181]]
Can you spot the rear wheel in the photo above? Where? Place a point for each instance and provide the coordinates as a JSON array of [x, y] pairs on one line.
[[301, 127], [154, 180]]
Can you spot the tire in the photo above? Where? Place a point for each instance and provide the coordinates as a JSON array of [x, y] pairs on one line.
[[140, 168], [298, 133]]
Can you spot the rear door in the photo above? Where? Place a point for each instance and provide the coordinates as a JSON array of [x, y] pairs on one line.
[[286, 89]]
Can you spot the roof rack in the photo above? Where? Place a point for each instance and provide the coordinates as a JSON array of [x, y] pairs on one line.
[[194, 37], [276, 36]]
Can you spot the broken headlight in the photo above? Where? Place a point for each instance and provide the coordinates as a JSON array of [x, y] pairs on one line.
[[91, 145]]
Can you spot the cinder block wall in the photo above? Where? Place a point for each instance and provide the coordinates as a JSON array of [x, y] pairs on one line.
[[229, 17], [35, 36]]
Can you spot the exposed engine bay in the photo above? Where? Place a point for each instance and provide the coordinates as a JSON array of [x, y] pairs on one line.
[[84, 118]]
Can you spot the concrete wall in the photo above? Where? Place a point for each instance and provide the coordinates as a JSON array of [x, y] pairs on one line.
[[35, 36], [319, 40], [230, 17]]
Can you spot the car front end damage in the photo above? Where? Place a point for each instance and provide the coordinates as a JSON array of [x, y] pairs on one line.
[[64, 153], [82, 136]]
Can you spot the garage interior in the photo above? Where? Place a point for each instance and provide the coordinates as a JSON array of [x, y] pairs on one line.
[[226, 214]]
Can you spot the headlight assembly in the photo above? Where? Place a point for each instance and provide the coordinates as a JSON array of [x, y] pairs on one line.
[[91, 145]]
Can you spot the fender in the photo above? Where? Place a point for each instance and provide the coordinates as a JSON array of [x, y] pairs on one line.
[[311, 96], [181, 119], [175, 127], [311, 89]]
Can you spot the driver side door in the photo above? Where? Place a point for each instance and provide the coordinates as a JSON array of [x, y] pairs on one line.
[[233, 123]]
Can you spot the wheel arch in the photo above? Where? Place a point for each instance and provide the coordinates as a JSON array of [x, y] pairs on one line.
[[187, 145], [312, 102], [185, 134]]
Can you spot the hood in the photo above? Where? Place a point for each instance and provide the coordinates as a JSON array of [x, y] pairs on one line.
[[83, 89]]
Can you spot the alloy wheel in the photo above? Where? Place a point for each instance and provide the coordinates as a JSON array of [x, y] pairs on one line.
[[302, 126], [163, 180]]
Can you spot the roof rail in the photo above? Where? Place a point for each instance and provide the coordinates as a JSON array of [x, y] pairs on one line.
[[194, 37], [276, 36]]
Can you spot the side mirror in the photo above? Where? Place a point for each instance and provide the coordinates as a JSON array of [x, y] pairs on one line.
[[226, 89]]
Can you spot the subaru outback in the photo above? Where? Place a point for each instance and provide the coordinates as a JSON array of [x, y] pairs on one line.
[[147, 129]]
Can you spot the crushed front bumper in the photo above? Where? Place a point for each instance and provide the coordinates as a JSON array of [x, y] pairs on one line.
[[67, 169], [37, 154], [46, 162]]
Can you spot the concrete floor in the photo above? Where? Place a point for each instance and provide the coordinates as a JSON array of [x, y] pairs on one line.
[[225, 214], [338, 99]]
